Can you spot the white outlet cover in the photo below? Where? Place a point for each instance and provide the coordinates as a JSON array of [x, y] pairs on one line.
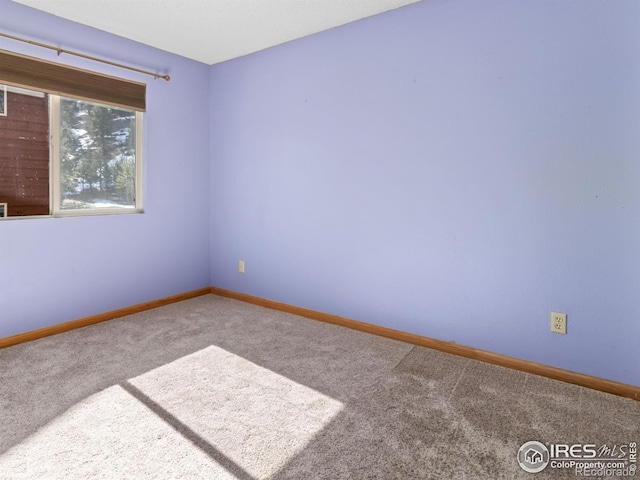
[[559, 322]]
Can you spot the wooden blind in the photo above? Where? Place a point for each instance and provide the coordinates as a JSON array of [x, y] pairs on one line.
[[29, 72]]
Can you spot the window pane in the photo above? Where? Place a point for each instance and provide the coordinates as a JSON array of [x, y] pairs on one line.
[[24, 151], [97, 156]]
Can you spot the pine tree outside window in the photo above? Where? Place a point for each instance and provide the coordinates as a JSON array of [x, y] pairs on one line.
[[96, 157]]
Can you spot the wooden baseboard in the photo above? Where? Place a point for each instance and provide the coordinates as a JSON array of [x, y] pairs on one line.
[[102, 317], [595, 383]]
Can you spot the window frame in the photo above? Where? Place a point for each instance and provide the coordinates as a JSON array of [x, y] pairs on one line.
[[55, 194], [64, 81], [55, 162]]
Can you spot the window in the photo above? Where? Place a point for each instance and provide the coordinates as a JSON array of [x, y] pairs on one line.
[[69, 147], [95, 161]]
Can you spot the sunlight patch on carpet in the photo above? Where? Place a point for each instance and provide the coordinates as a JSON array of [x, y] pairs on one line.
[[255, 417], [211, 414]]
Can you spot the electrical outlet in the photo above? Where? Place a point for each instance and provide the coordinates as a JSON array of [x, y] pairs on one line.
[[240, 266], [559, 322]]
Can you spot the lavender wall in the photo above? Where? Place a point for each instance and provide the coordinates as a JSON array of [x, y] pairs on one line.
[[455, 169], [55, 270]]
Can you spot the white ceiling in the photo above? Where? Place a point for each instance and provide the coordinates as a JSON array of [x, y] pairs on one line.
[[212, 31]]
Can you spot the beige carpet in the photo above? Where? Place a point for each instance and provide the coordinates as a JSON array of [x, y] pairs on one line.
[[212, 388]]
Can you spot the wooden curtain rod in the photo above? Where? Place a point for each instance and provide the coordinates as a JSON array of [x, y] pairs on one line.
[[89, 57]]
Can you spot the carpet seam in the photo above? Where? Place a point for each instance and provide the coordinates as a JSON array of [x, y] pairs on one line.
[[403, 358]]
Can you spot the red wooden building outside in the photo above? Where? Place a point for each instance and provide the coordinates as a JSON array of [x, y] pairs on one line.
[[24, 154]]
